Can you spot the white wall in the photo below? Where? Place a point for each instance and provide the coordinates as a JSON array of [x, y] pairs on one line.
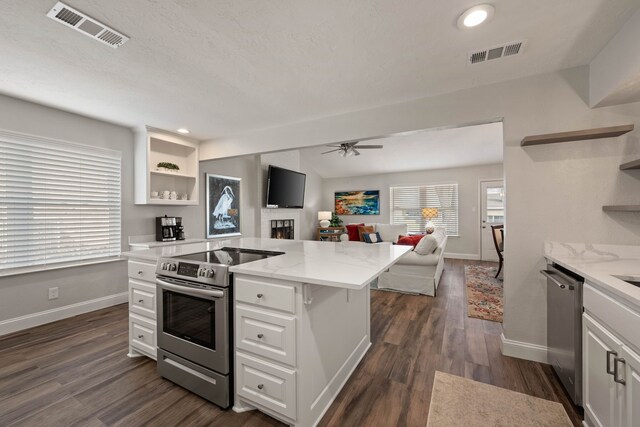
[[27, 294], [467, 178], [554, 192]]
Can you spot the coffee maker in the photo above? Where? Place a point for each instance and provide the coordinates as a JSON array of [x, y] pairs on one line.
[[179, 229], [166, 228]]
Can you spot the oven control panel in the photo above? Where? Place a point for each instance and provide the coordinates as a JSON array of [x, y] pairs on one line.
[[206, 273]]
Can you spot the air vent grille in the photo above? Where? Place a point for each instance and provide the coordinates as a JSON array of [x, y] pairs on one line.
[[496, 52], [86, 25], [478, 57], [68, 16]]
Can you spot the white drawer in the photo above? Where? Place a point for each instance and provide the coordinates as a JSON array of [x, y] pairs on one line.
[[142, 271], [615, 315], [265, 294], [142, 298], [266, 384], [266, 334], [142, 334]]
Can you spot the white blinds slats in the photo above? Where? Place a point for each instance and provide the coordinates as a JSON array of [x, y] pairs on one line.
[[407, 203], [59, 201]]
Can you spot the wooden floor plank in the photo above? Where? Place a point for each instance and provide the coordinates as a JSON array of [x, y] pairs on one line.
[[75, 372]]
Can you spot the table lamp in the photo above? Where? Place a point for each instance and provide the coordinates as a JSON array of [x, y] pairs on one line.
[[324, 218], [429, 213]]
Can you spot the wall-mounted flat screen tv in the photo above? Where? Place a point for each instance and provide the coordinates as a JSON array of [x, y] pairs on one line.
[[285, 188]]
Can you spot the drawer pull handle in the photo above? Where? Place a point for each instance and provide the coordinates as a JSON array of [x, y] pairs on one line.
[[609, 353], [260, 336], [615, 370], [140, 301], [260, 386], [259, 295], [140, 337], [140, 273]]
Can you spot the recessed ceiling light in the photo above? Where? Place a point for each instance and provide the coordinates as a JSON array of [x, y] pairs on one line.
[[475, 16], [183, 131]]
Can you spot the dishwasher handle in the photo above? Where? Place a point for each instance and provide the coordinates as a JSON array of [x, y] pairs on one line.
[[551, 275]]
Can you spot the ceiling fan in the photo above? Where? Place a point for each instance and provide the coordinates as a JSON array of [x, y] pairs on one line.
[[348, 149]]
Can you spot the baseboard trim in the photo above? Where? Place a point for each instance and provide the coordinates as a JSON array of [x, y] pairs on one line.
[[474, 257], [36, 319], [523, 350]]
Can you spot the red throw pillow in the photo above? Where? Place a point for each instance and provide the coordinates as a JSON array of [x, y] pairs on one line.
[[352, 231], [410, 240]]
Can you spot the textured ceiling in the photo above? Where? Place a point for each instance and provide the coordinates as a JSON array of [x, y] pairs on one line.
[[429, 149], [228, 66]]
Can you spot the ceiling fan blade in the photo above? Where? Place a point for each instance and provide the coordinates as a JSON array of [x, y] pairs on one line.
[[369, 146], [331, 151], [334, 145]]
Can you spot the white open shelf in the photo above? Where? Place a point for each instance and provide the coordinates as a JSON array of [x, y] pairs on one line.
[[177, 174], [153, 147]]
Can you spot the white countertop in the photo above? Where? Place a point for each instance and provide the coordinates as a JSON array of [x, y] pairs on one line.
[[600, 264], [351, 265], [155, 244]]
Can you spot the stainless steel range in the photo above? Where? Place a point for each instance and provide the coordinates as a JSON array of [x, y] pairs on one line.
[[195, 320]]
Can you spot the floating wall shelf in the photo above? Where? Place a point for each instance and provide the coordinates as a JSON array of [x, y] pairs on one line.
[[577, 135], [630, 165], [621, 208]]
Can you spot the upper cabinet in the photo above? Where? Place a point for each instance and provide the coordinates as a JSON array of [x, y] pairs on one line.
[[156, 185]]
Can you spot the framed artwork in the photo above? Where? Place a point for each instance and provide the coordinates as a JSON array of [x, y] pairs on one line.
[[223, 206], [358, 202]]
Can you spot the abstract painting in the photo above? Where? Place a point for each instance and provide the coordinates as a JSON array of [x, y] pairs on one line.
[[223, 206], [358, 202]]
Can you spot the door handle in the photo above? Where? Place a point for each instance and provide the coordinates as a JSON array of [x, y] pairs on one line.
[[190, 291], [609, 353], [615, 370], [549, 275]]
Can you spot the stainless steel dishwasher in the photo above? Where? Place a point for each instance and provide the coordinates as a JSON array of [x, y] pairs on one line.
[[564, 327]]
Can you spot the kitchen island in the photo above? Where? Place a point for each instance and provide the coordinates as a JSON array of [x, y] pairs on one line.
[[301, 319]]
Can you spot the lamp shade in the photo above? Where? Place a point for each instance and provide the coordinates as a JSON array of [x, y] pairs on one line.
[[324, 215], [429, 212]]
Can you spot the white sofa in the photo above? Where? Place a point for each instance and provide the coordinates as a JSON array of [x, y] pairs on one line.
[[413, 272]]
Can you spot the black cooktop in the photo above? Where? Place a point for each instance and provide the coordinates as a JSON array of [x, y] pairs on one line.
[[230, 256]]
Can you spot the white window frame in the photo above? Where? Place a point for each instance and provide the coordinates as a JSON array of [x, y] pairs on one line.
[[412, 215], [60, 203]]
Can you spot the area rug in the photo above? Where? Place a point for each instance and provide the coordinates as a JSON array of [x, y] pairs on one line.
[[484, 293], [457, 401]]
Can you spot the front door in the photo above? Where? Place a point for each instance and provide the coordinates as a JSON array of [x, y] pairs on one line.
[[491, 213]]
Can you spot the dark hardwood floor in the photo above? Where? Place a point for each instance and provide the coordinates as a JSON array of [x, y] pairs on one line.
[[76, 373]]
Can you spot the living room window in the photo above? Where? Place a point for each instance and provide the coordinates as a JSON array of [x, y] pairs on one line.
[[59, 201], [407, 203]]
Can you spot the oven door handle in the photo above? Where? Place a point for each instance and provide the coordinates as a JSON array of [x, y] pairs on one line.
[[190, 291]]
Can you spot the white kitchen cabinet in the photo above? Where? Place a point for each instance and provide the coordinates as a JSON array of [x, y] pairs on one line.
[[142, 309], [153, 147], [296, 345], [631, 410], [611, 364], [599, 390]]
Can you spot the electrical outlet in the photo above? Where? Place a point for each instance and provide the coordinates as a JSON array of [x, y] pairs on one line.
[[53, 293]]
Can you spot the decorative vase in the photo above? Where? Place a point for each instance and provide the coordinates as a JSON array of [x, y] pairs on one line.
[[430, 228]]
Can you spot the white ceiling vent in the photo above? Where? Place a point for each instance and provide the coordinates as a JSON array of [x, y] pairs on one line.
[[80, 22], [496, 52]]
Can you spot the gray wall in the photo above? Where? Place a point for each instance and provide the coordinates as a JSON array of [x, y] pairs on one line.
[[28, 293], [247, 168], [467, 178]]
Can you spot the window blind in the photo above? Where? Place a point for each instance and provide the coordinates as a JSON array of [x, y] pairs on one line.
[[407, 203], [59, 201]]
